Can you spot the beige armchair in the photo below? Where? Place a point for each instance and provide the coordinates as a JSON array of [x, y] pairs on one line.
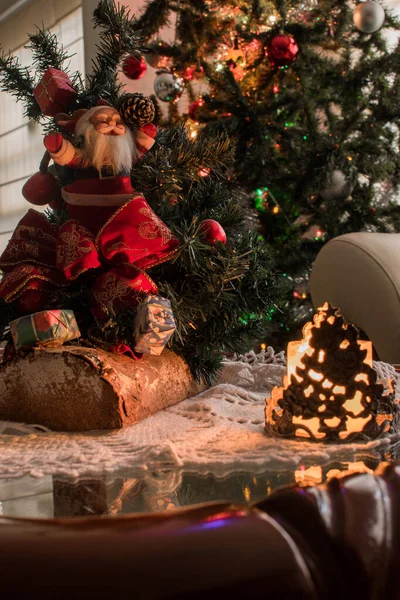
[[360, 274]]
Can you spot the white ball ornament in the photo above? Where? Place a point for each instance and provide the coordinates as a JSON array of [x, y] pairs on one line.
[[339, 189], [368, 16], [168, 87]]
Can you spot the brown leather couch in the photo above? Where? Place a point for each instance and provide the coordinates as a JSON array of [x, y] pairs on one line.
[[336, 541]]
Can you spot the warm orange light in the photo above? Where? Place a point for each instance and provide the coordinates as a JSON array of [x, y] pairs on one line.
[[361, 377], [349, 467], [308, 391], [310, 476], [314, 375], [339, 389], [297, 352], [247, 493]]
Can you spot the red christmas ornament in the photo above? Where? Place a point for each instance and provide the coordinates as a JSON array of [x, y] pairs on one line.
[[204, 171], [194, 107], [134, 68], [41, 189], [212, 232], [282, 50], [193, 72]]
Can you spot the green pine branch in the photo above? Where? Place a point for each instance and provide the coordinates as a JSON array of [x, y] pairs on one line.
[[19, 82], [154, 17], [47, 52]]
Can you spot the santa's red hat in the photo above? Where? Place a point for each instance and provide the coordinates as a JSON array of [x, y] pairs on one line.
[[69, 122]]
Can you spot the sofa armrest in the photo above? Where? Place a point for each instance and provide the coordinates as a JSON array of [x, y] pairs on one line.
[[359, 273]]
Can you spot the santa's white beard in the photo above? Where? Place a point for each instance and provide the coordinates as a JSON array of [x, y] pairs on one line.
[[99, 149]]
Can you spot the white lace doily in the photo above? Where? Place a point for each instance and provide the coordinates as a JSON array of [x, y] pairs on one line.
[[220, 430]]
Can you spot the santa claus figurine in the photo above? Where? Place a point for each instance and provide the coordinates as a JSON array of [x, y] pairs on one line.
[[111, 231], [102, 165]]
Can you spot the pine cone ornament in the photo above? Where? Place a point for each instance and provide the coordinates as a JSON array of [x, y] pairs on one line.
[[136, 110]]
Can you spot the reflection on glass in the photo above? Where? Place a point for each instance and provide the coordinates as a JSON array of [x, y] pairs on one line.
[[124, 493]]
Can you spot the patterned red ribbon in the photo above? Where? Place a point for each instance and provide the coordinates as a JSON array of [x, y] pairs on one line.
[[41, 255]]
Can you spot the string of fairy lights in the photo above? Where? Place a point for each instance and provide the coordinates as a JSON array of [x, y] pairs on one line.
[[254, 50]]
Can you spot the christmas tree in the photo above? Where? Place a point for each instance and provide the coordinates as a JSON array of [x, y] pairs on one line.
[[309, 93], [218, 277]]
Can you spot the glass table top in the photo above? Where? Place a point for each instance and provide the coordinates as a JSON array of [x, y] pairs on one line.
[[124, 493]]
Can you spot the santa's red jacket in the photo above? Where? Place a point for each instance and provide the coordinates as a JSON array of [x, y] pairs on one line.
[[93, 197]]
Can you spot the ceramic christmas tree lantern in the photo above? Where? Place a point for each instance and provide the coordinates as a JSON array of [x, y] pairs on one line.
[[331, 392]]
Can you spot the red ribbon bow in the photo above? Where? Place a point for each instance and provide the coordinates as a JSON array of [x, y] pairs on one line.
[[41, 255]]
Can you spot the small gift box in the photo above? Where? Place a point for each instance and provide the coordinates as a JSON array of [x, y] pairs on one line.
[[154, 325], [54, 93], [49, 327]]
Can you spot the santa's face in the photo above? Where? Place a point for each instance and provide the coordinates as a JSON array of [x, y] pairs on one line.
[[108, 122], [107, 140]]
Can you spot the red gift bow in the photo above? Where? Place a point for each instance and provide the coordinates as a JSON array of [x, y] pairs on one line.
[[41, 255]]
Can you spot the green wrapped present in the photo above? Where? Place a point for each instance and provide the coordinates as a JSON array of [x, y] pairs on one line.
[[154, 325], [49, 327]]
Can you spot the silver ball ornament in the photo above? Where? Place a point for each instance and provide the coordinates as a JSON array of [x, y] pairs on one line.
[[168, 87], [368, 16]]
